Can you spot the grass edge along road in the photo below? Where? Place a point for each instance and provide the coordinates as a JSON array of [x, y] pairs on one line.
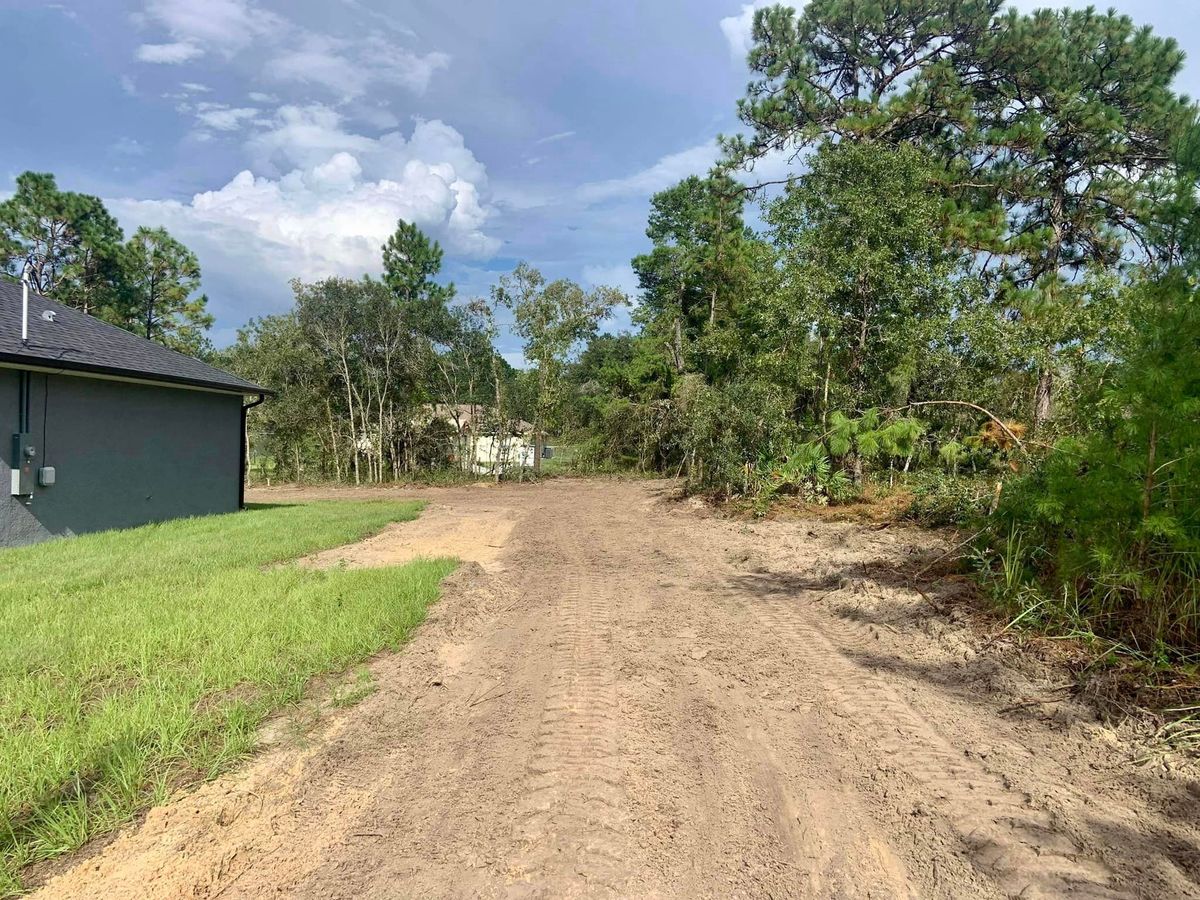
[[132, 661]]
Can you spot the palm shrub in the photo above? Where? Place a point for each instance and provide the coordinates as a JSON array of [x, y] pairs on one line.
[[804, 471], [873, 436]]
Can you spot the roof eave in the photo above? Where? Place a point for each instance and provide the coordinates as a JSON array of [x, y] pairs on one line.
[[18, 360]]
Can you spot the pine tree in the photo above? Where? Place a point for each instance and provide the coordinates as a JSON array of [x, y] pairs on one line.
[[411, 262], [858, 70], [697, 272], [68, 241], [1076, 115], [158, 299]]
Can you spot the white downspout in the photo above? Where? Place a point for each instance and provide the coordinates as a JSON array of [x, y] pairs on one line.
[[25, 304]]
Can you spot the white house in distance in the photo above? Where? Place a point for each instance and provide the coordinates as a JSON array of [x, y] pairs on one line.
[[482, 444]]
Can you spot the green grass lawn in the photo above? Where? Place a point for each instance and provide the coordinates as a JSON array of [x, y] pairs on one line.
[[133, 660]]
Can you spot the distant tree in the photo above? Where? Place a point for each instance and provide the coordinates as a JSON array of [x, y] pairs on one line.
[[865, 270], [411, 262], [158, 298], [272, 351], [69, 242], [72, 248], [700, 268], [554, 319]]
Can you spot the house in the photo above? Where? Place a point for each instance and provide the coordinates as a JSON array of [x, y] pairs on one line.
[[109, 430], [481, 444]]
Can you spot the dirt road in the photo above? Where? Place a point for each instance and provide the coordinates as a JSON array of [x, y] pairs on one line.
[[628, 697]]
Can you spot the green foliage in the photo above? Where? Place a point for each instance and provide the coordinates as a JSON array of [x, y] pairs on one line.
[[873, 437], [160, 280], [1082, 98], [858, 70], [1030, 125], [941, 499], [699, 272], [368, 366], [1114, 514], [411, 263], [288, 430], [72, 250], [553, 319], [804, 471], [866, 262], [68, 241]]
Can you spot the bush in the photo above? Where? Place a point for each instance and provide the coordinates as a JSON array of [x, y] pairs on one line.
[[722, 432], [941, 499], [804, 472], [1111, 521]]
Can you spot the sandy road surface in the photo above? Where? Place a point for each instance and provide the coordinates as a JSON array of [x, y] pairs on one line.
[[631, 698]]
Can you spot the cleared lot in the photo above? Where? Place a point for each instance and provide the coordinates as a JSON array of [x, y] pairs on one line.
[[641, 700]]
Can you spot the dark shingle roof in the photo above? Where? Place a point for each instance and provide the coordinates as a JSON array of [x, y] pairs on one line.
[[78, 342]]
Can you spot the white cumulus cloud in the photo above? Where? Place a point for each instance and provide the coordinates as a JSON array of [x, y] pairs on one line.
[[333, 207], [168, 54]]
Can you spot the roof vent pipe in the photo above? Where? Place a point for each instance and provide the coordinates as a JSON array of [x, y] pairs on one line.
[[25, 304]]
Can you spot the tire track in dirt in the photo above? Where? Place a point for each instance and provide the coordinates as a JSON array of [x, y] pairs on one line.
[[572, 815], [1015, 844]]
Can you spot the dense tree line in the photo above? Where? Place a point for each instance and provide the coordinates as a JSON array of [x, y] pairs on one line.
[[72, 250], [980, 261], [377, 376]]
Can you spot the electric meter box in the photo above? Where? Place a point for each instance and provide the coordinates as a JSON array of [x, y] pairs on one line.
[[22, 460]]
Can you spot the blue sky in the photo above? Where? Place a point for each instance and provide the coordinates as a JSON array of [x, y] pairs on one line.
[[284, 139]]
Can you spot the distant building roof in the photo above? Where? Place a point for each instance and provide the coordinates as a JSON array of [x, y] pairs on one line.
[[74, 341], [471, 417]]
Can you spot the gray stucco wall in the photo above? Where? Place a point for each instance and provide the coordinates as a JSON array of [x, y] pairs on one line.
[[124, 454]]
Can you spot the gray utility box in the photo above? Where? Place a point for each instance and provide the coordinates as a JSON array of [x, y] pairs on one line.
[[46, 476], [22, 472]]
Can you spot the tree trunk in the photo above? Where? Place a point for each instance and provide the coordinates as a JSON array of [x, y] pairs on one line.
[[333, 437], [1042, 397], [677, 346], [353, 424], [825, 396], [499, 419], [543, 388], [1042, 402], [1148, 485]]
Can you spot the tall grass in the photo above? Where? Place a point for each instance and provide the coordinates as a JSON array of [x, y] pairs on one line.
[[133, 660]]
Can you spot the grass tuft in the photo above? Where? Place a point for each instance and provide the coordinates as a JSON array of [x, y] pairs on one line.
[[134, 660]]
